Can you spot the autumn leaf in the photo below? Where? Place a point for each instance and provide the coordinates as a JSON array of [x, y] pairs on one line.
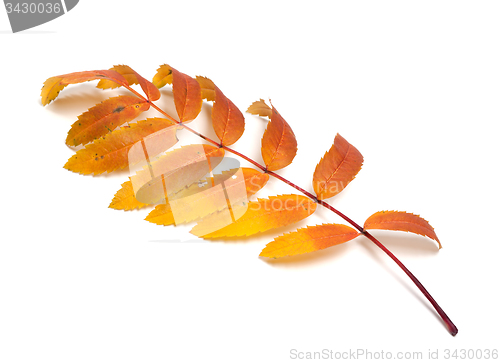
[[336, 169], [279, 145], [227, 119], [127, 72], [401, 221], [79, 77], [187, 96], [207, 88], [125, 199], [256, 217], [187, 91], [54, 85], [260, 108], [152, 93], [174, 171], [196, 201], [111, 152], [132, 77], [309, 239], [104, 118]]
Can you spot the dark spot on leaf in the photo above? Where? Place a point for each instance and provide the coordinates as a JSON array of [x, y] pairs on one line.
[[118, 109], [96, 159], [102, 156]]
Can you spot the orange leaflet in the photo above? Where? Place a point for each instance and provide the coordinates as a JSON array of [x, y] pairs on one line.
[[105, 117], [132, 77], [125, 199], [401, 221], [279, 145], [195, 202], [149, 89], [127, 72], [227, 119], [187, 96], [54, 85], [336, 169], [50, 90], [187, 91], [309, 239], [260, 216], [174, 171], [79, 77], [260, 108], [110, 152], [207, 88], [163, 76]]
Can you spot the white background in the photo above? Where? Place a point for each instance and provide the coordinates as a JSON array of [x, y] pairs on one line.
[[413, 85]]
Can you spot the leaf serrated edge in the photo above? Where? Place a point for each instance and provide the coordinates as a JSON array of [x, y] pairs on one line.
[[424, 224]]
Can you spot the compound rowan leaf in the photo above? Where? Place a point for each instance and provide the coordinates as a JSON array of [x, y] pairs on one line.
[[255, 217], [174, 171], [279, 145], [187, 91], [111, 152], [207, 88], [401, 221], [336, 169], [195, 202], [125, 199], [127, 72], [227, 119], [309, 239], [260, 108], [104, 118]]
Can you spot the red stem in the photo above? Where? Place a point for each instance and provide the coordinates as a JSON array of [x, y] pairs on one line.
[[449, 324]]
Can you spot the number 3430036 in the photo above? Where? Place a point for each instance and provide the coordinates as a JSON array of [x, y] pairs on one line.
[[33, 8]]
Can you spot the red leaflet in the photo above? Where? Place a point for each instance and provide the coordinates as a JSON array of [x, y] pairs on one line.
[[149, 89], [227, 119], [336, 169], [279, 145], [187, 96], [401, 221]]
